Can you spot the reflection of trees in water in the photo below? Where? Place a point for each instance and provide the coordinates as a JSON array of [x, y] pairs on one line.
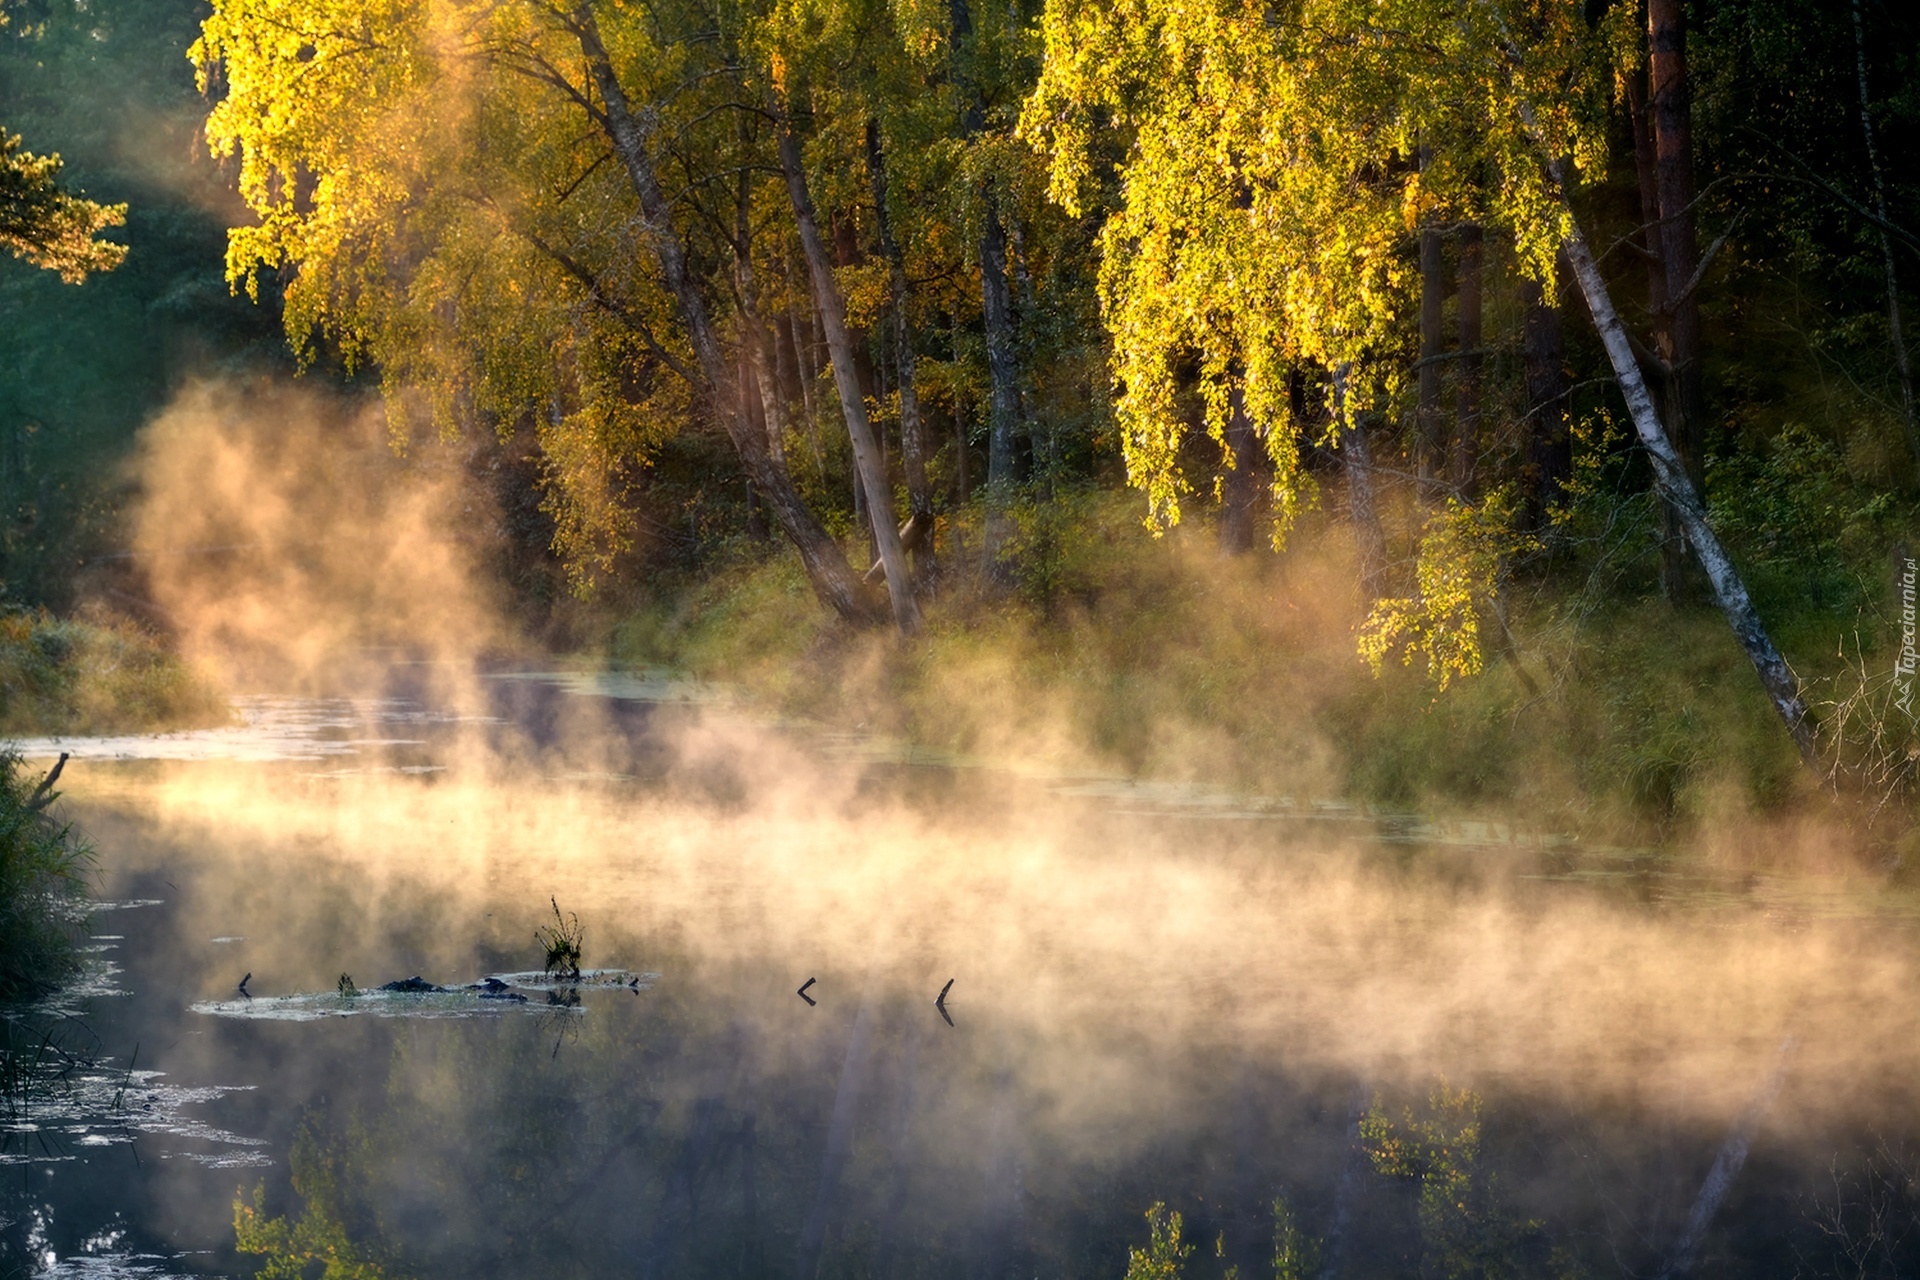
[[320, 1235], [669, 1137], [674, 1140], [1467, 1227], [1447, 1200], [1869, 1213]]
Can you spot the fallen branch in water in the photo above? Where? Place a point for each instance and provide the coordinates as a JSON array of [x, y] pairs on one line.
[[44, 794]]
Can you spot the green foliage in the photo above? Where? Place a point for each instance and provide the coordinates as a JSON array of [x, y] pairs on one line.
[[1296, 1255], [43, 878], [1269, 190], [61, 675], [1463, 551], [1164, 1257], [48, 226], [1791, 508], [102, 83], [319, 1238]]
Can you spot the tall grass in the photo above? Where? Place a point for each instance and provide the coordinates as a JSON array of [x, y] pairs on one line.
[[1617, 716], [68, 676], [44, 865]]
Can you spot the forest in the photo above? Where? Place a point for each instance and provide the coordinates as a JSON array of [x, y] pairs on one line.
[[1143, 638], [1248, 388]]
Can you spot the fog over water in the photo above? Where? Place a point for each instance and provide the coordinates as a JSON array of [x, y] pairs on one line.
[[1158, 993]]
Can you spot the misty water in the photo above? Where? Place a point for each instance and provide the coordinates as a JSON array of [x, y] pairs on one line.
[[1158, 994]]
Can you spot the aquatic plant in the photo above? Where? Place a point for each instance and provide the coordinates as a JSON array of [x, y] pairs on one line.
[[346, 988], [43, 880], [561, 940]]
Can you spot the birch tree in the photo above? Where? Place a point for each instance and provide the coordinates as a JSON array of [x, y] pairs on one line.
[[518, 211], [1271, 182]]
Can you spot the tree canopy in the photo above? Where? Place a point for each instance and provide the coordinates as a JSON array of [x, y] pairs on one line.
[[620, 225]]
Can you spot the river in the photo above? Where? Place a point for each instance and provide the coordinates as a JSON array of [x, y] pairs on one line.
[[1036, 1003]]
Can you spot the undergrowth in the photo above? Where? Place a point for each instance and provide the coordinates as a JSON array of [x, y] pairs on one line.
[[67, 676], [43, 881], [1613, 713]]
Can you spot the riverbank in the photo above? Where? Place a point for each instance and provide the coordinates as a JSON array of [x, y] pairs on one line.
[[1613, 715], [71, 676]]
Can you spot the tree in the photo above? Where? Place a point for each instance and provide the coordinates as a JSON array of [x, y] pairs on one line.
[[1310, 117], [48, 226], [474, 201]]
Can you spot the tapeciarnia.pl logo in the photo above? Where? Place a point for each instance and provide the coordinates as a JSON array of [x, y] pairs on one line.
[[1903, 667]]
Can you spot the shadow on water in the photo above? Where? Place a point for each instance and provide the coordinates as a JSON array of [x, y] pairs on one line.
[[1335, 1043]]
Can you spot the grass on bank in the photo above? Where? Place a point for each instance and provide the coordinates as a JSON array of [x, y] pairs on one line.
[[68, 676], [44, 866], [1618, 716]]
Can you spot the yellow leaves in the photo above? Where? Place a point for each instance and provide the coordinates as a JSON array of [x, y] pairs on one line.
[[1457, 573], [1270, 193], [1165, 1256]]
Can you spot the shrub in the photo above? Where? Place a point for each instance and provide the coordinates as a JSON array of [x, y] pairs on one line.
[[43, 870]]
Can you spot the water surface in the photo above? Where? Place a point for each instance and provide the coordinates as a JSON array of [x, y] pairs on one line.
[[1442, 1049]]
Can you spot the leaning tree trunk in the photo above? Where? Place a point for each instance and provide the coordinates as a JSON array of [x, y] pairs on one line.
[[833, 318], [1670, 476], [1676, 487], [631, 134]]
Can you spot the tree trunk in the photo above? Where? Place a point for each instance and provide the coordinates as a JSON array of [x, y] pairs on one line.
[[1671, 114], [960, 443], [1673, 541], [1238, 487], [1549, 444], [1672, 110], [1466, 443], [756, 374], [833, 318], [808, 371], [1433, 291], [1886, 243], [1003, 411], [914, 447], [1003, 385], [1645, 165], [826, 565], [1350, 429], [1676, 487]]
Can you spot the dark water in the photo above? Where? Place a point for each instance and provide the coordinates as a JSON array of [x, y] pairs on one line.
[[1440, 1052]]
